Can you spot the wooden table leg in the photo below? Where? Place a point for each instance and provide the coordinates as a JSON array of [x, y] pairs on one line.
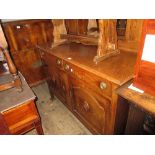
[[39, 128]]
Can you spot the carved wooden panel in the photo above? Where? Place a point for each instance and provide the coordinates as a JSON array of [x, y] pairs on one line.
[[90, 108], [107, 44]]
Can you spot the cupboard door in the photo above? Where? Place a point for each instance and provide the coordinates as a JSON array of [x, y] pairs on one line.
[[59, 83], [93, 110]]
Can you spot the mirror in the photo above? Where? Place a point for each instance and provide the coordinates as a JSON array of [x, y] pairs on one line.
[[149, 48]]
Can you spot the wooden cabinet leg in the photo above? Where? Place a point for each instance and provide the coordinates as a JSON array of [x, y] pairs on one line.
[[39, 128]]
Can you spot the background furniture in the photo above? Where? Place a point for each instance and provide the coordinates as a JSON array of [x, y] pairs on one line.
[[139, 109], [18, 109], [22, 37], [145, 65]]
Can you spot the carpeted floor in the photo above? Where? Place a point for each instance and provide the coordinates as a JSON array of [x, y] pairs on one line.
[[56, 118]]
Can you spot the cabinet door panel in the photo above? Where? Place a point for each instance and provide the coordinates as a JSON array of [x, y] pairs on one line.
[[92, 109]]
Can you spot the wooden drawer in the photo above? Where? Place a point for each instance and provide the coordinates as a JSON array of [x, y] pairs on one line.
[[51, 60], [96, 83], [21, 115], [73, 70]]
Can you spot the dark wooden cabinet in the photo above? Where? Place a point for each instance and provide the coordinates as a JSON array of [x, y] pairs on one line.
[[22, 37]]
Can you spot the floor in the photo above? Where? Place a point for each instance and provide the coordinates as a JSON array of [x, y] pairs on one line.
[[56, 118]]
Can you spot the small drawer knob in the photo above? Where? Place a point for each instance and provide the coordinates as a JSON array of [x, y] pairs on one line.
[[58, 62], [66, 67], [102, 85]]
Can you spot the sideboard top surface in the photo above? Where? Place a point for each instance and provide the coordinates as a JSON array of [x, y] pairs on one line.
[[117, 69]]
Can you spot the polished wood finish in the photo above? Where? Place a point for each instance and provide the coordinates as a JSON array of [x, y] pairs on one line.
[[88, 87], [144, 100], [83, 55], [132, 35], [19, 123], [22, 37], [145, 70], [4, 130]]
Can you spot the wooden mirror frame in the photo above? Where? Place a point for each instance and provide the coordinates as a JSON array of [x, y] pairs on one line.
[[145, 70], [77, 32]]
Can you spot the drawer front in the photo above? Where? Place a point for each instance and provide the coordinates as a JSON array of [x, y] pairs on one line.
[[96, 83], [21, 114]]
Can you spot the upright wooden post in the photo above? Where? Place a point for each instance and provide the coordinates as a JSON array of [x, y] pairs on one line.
[[3, 48], [107, 44]]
